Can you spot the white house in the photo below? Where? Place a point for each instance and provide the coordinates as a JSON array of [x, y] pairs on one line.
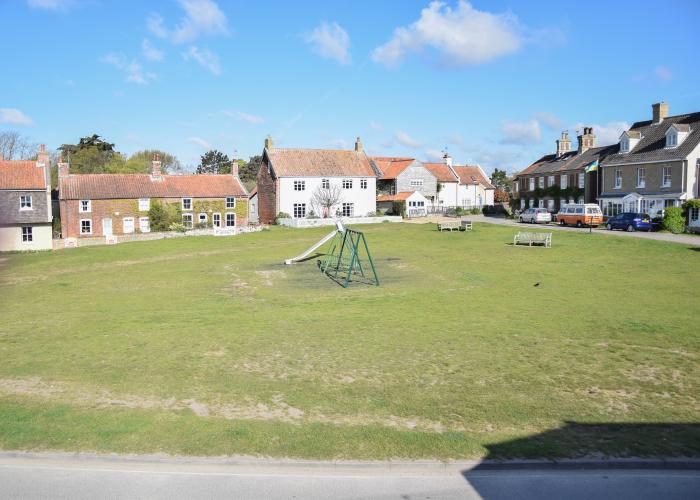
[[475, 189], [315, 182], [416, 204], [447, 182]]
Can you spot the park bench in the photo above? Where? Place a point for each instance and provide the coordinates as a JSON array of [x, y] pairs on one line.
[[466, 225], [529, 239], [449, 226]]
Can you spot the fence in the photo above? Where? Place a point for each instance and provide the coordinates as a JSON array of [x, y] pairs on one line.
[[298, 223]]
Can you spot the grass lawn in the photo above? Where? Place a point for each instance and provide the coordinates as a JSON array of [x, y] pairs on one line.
[[211, 346]]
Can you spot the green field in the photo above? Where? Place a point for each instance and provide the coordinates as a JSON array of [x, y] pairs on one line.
[[211, 346]]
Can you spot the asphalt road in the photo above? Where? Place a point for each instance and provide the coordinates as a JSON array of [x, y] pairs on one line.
[[36, 477]]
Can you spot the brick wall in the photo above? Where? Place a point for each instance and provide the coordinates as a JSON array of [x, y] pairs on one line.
[[267, 195]]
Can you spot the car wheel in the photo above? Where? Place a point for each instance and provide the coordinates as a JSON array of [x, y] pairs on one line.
[[562, 223], [630, 228], [609, 226], [578, 223]]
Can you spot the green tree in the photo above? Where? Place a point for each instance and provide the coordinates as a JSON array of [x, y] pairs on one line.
[[214, 162], [141, 162], [91, 155], [500, 180]]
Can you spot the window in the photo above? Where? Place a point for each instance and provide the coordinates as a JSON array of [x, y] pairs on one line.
[[128, 225], [230, 202], [670, 203], [624, 145], [532, 183], [144, 204], [299, 210], [563, 180], [187, 205], [514, 187], [230, 219], [618, 179], [694, 214], [522, 203], [579, 210], [550, 205], [416, 204], [348, 209], [581, 180], [550, 181], [85, 206], [216, 220], [325, 184], [532, 203], [28, 235], [202, 219], [540, 203], [540, 182], [671, 140], [416, 183], [666, 177], [299, 185], [347, 183], [641, 178], [187, 220], [25, 202], [363, 183], [86, 226], [144, 225]]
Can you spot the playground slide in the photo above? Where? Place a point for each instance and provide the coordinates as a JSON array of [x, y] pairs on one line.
[[338, 229]]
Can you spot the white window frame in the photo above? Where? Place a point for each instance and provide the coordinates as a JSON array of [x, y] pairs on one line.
[[641, 177], [694, 214], [350, 212], [417, 183], [540, 182], [347, 183], [299, 185], [666, 174], [200, 220], [564, 181], [624, 145], [325, 184], [187, 220], [230, 202], [581, 180], [89, 221], [25, 202], [226, 217], [532, 184], [87, 210], [363, 183], [299, 210], [144, 204], [133, 225], [189, 200], [617, 179], [550, 181], [672, 140], [27, 234], [216, 219], [144, 222]]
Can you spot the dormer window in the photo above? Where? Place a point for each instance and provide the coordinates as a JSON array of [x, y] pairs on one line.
[[625, 145], [671, 139], [676, 134], [629, 140]]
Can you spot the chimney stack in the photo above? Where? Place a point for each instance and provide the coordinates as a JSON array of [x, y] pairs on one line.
[[42, 158], [659, 111], [586, 140], [358, 145], [156, 165], [234, 167], [63, 167], [268, 143], [563, 144], [448, 160]]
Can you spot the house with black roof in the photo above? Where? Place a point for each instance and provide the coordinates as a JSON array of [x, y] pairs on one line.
[[655, 165]]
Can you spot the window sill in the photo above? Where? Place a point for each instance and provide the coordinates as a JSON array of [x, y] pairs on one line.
[[25, 209]]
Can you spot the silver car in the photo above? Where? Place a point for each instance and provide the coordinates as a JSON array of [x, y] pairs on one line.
[[536, 216]]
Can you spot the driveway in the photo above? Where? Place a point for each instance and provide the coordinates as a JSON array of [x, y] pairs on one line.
[[79, 477], [684, 239]]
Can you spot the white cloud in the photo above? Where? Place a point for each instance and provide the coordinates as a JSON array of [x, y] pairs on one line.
[[132, 70], [523, 133], [605, 134], [202, 18], [407, 140], [199, 142], [150, 52], [549, 120], [434, 155], [461, 36], [205, 58], [330, 41], [51, 4], [14, 116], [663, 73], [376, 125], [254, 119]]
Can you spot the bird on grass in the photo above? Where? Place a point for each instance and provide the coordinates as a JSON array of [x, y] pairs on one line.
[[537, 284]]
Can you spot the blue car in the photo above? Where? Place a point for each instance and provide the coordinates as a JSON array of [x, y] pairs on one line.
[[629, 221]]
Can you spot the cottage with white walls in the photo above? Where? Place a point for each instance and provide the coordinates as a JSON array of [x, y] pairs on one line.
[[315, 182]]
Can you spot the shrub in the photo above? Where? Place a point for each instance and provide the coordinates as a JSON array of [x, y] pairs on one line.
[[674, 220], [399, 208], [312, 215], [162, 216], [475, 211], [178, 227], [459, 211], [282, 215]]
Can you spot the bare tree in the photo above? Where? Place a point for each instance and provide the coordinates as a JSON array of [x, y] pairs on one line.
[[13, 146], [325, 198]]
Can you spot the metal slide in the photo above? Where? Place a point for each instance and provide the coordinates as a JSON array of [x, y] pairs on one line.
[[338, 229]]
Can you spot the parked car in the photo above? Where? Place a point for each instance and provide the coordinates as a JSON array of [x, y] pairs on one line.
[[535, 216], [580, 214], [629, 221]]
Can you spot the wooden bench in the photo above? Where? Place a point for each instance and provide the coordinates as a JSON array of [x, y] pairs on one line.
[[529, 239], [466, 225], [449, 226]]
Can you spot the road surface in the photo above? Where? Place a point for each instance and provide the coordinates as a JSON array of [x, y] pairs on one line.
[[36, 476]]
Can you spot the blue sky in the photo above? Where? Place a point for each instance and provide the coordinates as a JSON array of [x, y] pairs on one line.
[[493, 82]]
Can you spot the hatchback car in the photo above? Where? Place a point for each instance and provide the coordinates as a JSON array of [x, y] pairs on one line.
[[629, 221], [535, 216]]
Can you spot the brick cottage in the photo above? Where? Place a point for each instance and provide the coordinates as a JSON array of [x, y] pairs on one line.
[[114, 204]]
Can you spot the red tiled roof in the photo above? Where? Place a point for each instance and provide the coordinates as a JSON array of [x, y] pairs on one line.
[[21, 174], [402, 196], [441, 172], [391, 167], [469, 174], [319, 163], [130, 186]]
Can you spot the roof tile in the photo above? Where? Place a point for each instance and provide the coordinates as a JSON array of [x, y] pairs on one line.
[[21, 174]]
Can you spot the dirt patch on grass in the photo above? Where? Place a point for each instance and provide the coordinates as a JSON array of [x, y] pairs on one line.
[[269, 277]]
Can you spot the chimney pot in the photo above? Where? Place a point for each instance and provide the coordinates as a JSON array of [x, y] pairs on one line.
[[448, 160], [358, 145], [659, 111]]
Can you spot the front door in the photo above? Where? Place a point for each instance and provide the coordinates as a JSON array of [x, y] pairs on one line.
[[107, 227]]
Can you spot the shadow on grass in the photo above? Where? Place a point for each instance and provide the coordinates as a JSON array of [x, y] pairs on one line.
[[695, 249]]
